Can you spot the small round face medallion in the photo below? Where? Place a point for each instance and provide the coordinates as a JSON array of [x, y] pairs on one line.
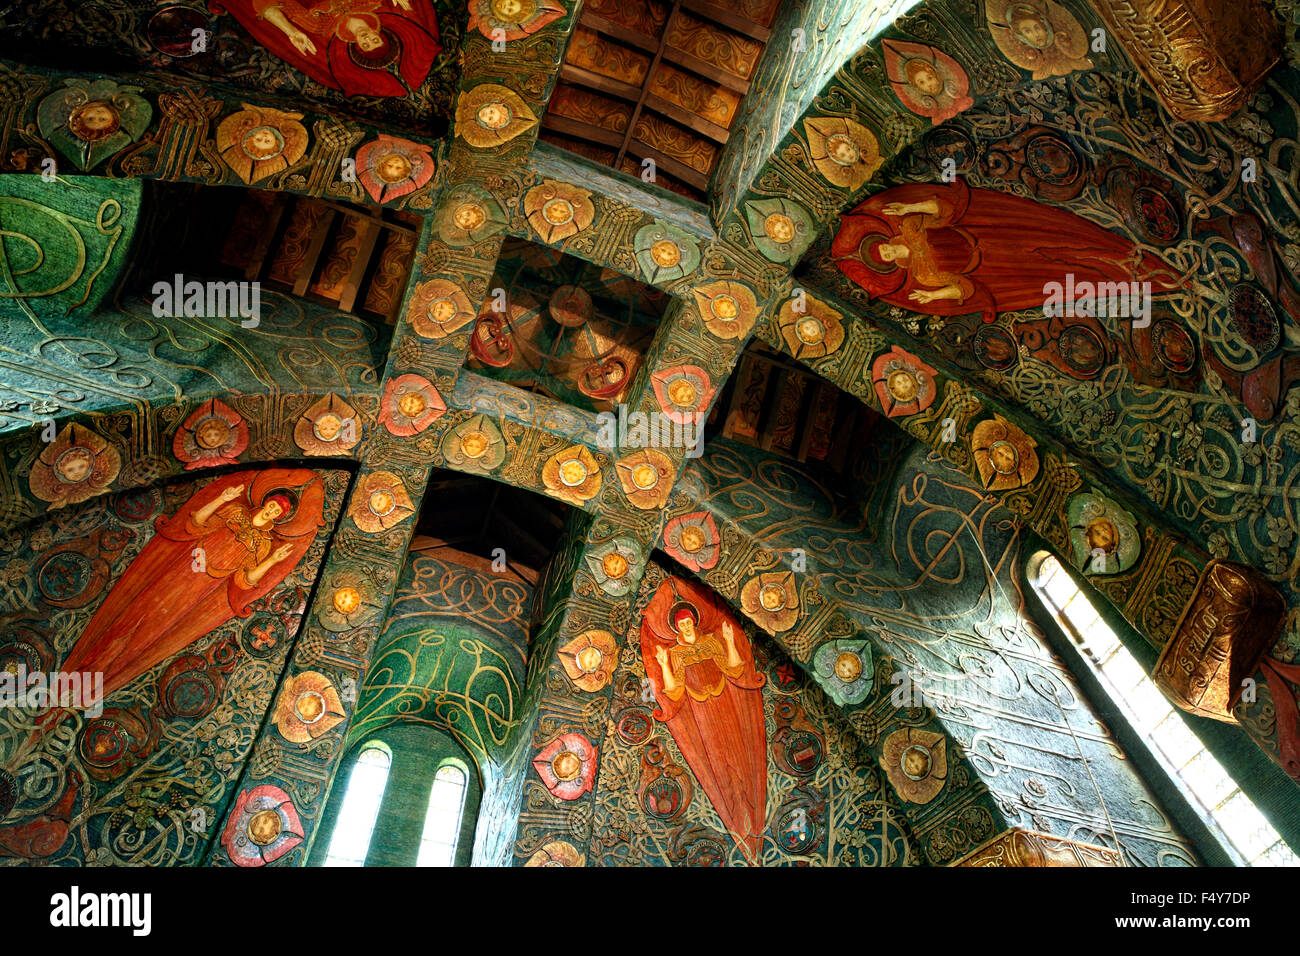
[[75, 465], [493, 116], [212, 433], [347, 600], [916, 762], [645, 476], [842, 150], [665, 253], [469, 216], [412, 404], [771, 597], [614, 565], [264, 827], [309, 706], [1004, 457], [474, 444], [327, 426], [566, 765], [573, 472], [691, 539], [589, 659], [779, 227], [682, 392], [848, 667]]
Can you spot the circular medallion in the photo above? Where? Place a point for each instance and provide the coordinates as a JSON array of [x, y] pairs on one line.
[[614, 565], [412, 404], [493, 116], [474, 444], [1004, 458], [795, 830], [394, 168], [326, 427], [772, 597], [810, 331], [103, 743], [804, 750], [346, 600], [137, 505], [902, 384], [65, 575], [442, 310], [681, 392], [691, 538], [645, 476], [663, 798], [1082, 350], [842, 150], [573, 472], [212, 432], [382, 502], [469, 216], [915, 762], [262, 142], [310, 706], [779, 227], [665, 254], [566, 765], [265, 826], [589, 659], [705, 852], [558, 212], [190, 693], [571, 306], [947, 142], [1173, 346], [995, 348], [16, 656], [74, 465], [1155, 216], [171, 31], [635, 726], [94, 121], [1053, 160], [1253, 318], [848, 667], [725, 307]]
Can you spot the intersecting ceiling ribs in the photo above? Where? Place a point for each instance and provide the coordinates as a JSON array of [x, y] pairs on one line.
[[659, 80]]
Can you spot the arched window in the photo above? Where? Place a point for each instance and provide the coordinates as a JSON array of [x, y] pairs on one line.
[[356, 820], [1208, 787], [442, 821]]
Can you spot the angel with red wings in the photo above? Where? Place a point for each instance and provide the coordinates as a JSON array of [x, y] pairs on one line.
[[362, 47], [949, 249], [701, 668], [231, 544]]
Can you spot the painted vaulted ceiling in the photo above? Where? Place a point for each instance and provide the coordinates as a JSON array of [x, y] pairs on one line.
[[839, 257]]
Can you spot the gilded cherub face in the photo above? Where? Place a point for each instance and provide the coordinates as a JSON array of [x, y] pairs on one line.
[[94, 121], [211, 433], [925, 77], [262, 143], [1032, 31], [1102, 535], [394, 168], [1003, 457], [75, 465]]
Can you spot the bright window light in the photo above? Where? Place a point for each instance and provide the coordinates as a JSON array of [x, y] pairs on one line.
[[442, 822], [1227, 811], [356, 822]]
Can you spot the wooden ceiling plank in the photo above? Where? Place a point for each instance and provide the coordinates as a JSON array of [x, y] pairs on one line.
[[734, 21], [580, 130], [617, 31], [706, 70], [577, 76], [673, 167], [370, 234], [645, 86], [688, 119]]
